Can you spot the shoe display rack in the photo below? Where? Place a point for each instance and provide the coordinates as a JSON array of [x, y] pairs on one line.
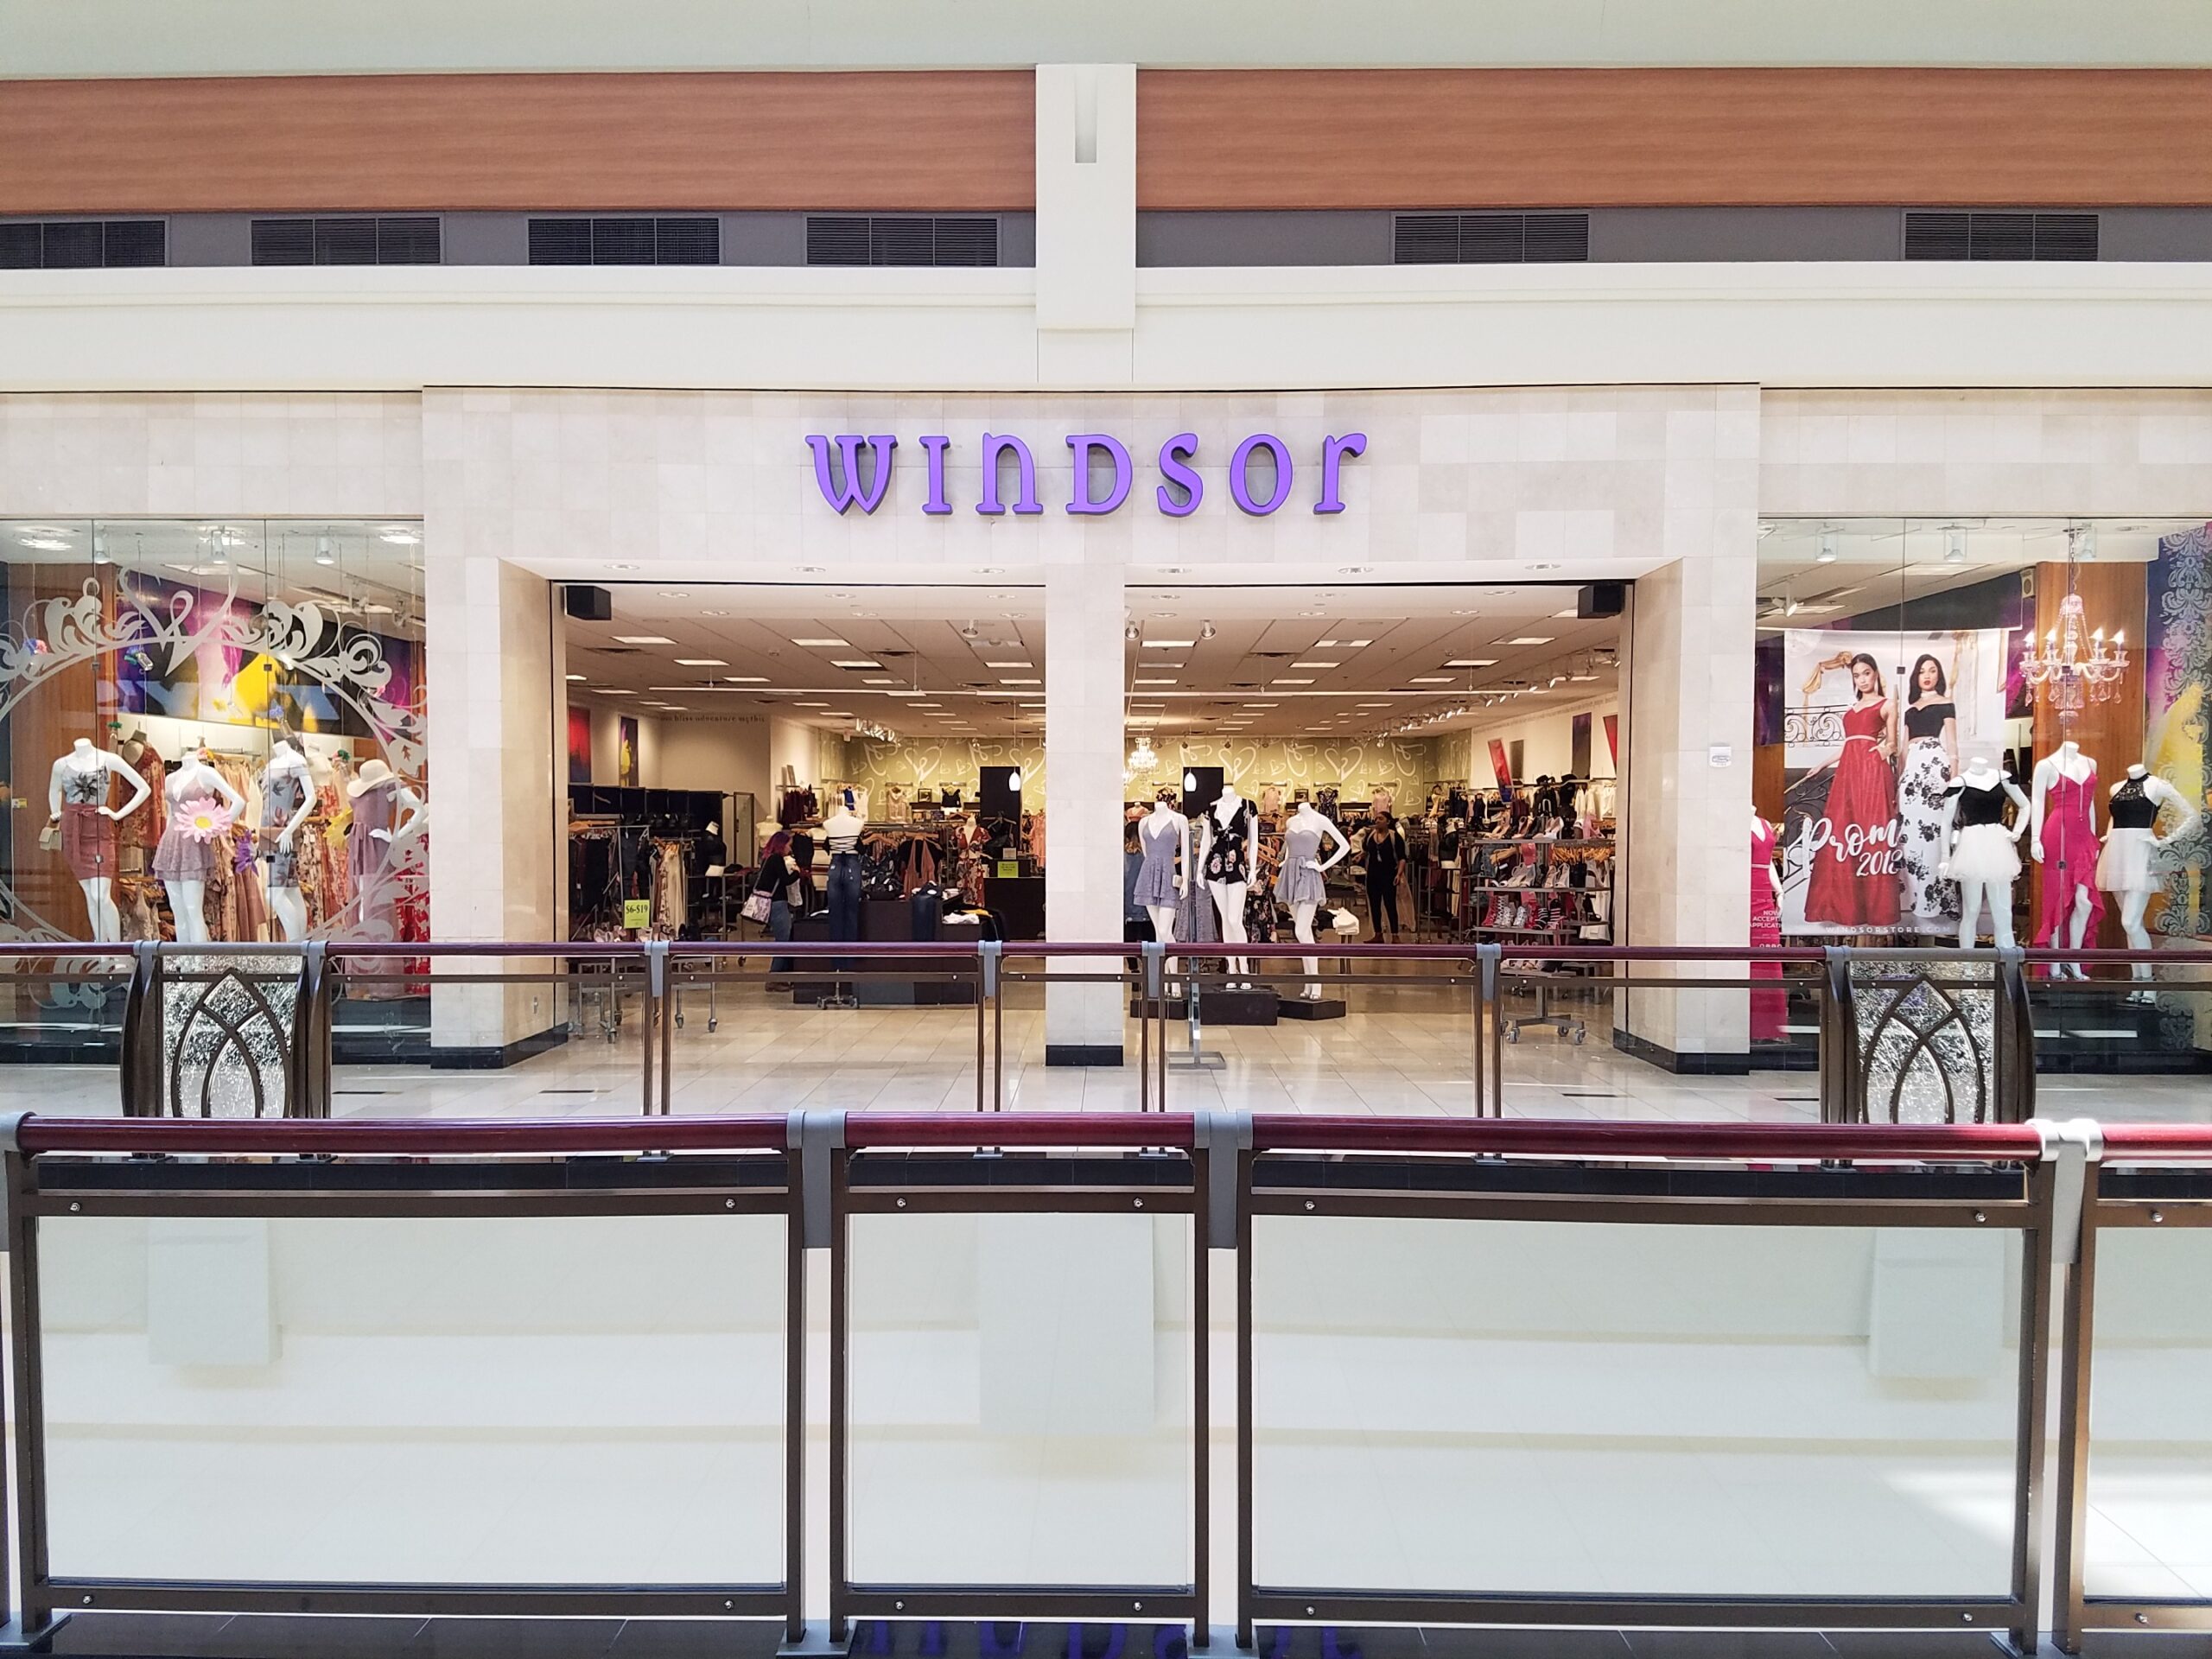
[[1539, 890]]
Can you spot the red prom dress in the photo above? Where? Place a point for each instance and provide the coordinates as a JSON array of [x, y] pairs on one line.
[[1768, 1008], [1854, 882], [2070, 857]]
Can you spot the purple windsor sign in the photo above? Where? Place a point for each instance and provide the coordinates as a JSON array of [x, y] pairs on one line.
[[854, 470]]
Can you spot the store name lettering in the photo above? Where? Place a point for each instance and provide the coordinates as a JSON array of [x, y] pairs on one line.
[[854, 470]]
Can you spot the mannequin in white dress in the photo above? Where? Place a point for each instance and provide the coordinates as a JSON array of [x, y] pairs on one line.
[[2127, 868], [1232, 854], [1303, 884], [1981, 853], [2062, 804], [76, 793]]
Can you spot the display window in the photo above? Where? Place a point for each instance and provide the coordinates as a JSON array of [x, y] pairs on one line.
[[212, 731], [1984, 732]]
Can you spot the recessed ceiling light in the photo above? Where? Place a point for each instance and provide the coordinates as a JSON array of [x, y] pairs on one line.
[[1315, 665], [576, 676], [854, 661], [1527, 640], [400, 536], [45, 543], [674, 708], [809, 705], [613, 691], [746, 679], [1430, 679], [821, 643], [838, 714], [1538, 566], [1263, 705], [674, 593], [1291, 682], [1355, 645], [1466, 613], [1472, 662], [713, 612], [643, 640], [1032, 705], [990, 571], [1169, 645], [992, 665], [1169, 681], [701, 662], [880, 679], [929, 705], [1374, 705], [1312, 612], [1584, 679], [622, 567], [1019, 681], [810, 570]]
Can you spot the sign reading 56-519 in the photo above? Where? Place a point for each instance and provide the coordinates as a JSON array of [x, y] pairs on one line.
[[854, 470]]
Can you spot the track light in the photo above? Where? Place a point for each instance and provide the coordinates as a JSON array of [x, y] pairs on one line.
[[1132, 632], [1206, 631]]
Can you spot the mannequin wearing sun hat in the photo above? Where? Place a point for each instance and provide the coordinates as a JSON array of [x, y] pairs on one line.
[[195, 840], [385, 813]]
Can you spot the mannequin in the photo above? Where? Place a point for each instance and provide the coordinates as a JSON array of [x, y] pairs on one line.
[[2063, 839], [1164, 839], [1302, 885], [195, 843], [2128, 865], [841, 830], [76, 793], [287, 798], [1983, 856], [386, 812], [1232, 854]]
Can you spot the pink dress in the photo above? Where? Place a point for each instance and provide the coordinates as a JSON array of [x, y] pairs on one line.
[[1767, 1008], [2070, 857]]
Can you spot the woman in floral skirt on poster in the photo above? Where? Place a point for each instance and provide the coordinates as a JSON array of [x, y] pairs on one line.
[[1932, 756]]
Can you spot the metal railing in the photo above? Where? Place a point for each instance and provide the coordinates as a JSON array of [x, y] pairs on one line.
[[1961, 1026], [1242, 1188]]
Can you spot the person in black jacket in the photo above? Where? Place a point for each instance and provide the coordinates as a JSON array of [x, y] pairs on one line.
[[1383, 847]]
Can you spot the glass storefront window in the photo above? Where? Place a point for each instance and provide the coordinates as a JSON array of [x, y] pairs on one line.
[[1954, 719], [213, 730]]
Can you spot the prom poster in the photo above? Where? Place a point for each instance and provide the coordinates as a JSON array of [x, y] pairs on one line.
[[1874, 724]]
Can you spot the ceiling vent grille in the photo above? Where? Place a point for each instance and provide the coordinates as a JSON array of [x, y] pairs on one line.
[[1950, 234], [678, 239], [353, 239], [1491, 238], [900, 240], [83, 244]]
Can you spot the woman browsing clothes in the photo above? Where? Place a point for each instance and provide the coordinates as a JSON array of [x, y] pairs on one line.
[[1932, 756], [1854, 883], [1383, 847]]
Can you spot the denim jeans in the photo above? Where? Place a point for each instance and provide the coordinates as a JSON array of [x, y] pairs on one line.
[[779, 929]]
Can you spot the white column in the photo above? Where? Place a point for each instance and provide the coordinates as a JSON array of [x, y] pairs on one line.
[[1086, 223], [493, 793], [1686, 699], [1082, 791]]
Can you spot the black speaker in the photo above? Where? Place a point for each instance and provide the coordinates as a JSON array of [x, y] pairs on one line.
[[1601, 599], [588, 604]]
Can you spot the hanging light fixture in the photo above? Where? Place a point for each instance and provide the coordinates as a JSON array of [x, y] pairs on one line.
[[2073, 666], [1142, 758]]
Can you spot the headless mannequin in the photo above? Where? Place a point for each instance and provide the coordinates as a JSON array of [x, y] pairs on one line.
[[1761, 827], [86, 763], [1157, 823], [1229, 896], [2066, 761], [287, 904], [2135, 904], [1301, 914], [189, 898], [1973, 893]]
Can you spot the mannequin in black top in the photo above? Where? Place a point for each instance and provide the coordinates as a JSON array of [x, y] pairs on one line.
[[1984, 857], [2127, 867]]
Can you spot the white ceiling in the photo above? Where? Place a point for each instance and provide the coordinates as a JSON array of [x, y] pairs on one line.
[[1828, 568], [972, 652], [367, 572], [158, 37]]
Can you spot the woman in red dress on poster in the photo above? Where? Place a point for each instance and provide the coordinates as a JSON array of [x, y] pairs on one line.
[[1854, 882]]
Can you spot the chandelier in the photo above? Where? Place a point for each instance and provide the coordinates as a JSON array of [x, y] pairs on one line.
[[1142, 757], [2073, 665]]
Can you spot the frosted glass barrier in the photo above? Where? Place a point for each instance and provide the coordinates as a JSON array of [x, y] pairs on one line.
[[1021, 1399], [1618, 1409], [2150, 1482], [568, 1400]]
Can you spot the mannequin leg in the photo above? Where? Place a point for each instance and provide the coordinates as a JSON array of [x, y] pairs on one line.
[[1301, 923], [1971, 896], [2134, 906], [2077, 926], [1163, 922], [100, 907], [1999, 895], [289, 906], [188, 902], [1229, 904]]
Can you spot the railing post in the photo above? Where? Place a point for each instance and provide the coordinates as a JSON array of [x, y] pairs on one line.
[[139, 1067], [1841, 1073], [1488, 956], [33, 1622], [655, 952], [816, 1174], [2015, 1037], [1151, 962], [2079, 1146], [989, 953], [307, 1083]]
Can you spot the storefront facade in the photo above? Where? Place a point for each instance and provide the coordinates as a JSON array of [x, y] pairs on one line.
[[1670, 487]]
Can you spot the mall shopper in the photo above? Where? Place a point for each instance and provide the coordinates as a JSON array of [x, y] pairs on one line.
[[787, 885], [1383, 846]]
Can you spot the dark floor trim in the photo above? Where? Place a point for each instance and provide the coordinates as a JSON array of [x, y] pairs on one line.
[[492, 1059], [1703, 1066], [1083, 1054]]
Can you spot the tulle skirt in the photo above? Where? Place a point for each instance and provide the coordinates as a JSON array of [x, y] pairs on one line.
[[1986, 853]]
